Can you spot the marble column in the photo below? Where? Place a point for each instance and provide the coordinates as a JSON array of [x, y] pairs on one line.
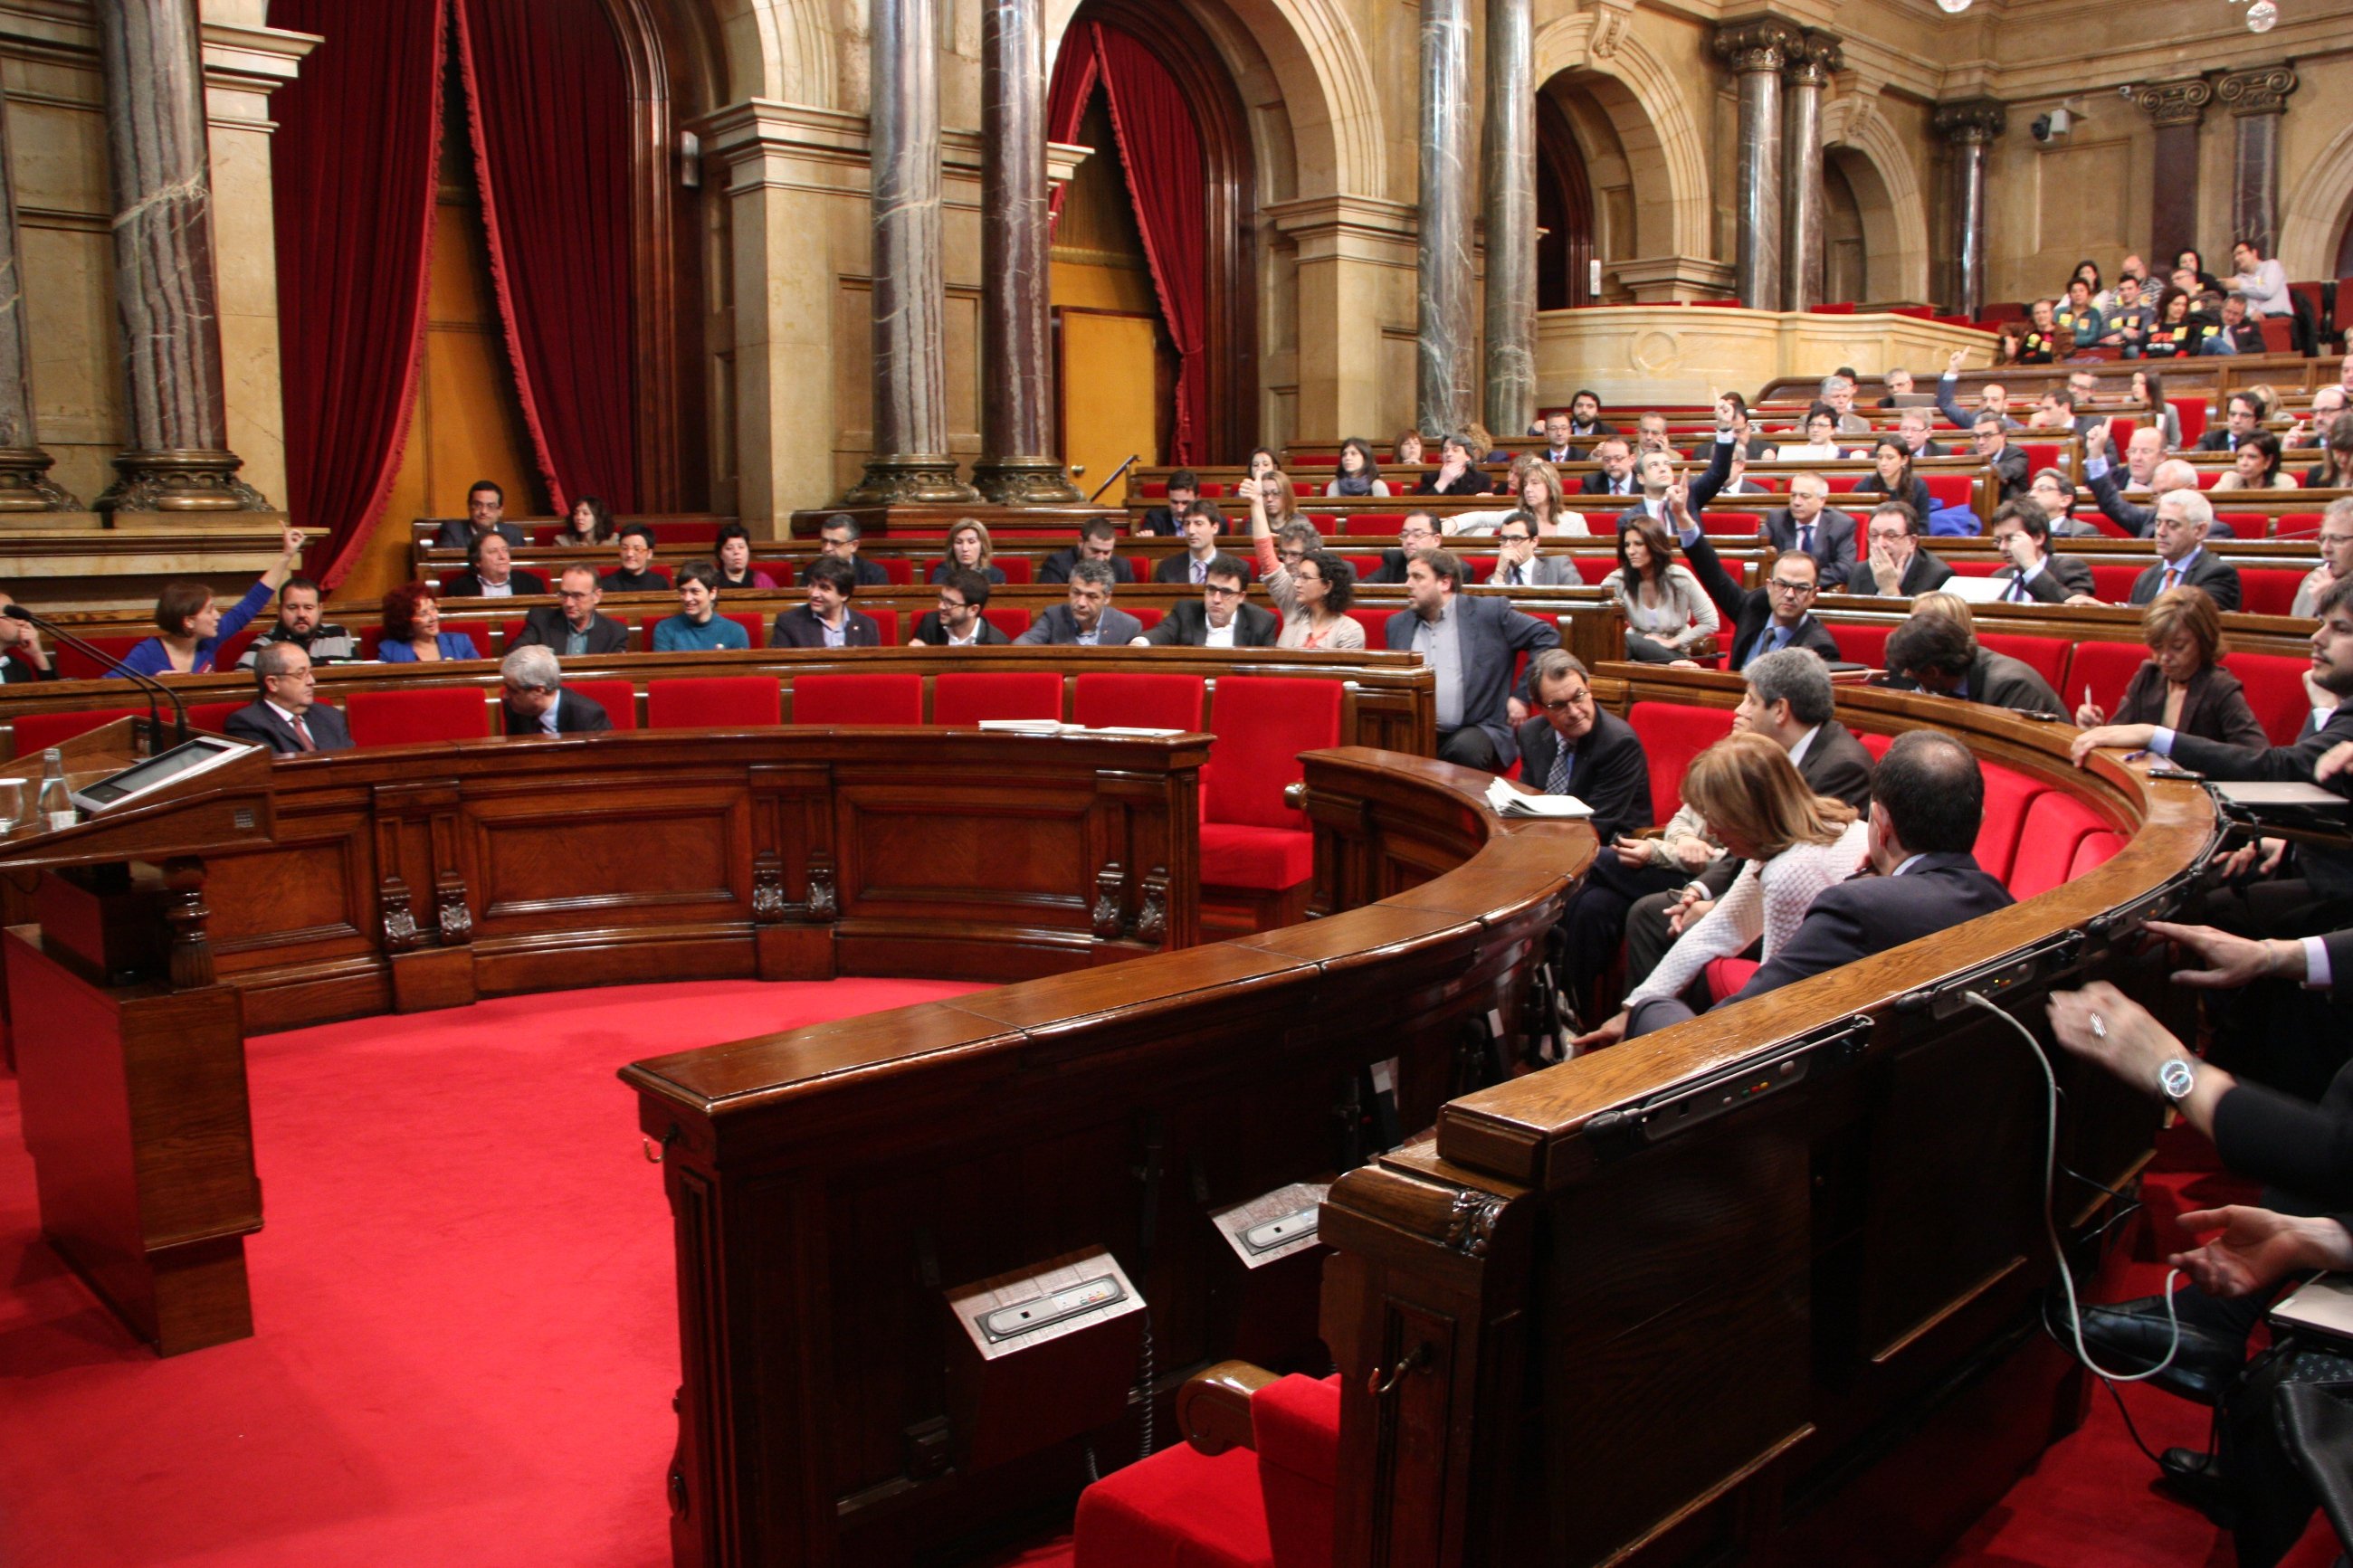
[[165, 294], [1447, 332], [1757, 48], [1809, 65], [2177, 108], [2256, 99], [1970, 127], [1017, 382], [24, 484], [1509, 208], [910, 461]]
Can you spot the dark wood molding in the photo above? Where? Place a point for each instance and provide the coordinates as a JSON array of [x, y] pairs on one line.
[[1564, 211]]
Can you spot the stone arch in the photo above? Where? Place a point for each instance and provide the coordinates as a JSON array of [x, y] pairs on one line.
[[1310, 53], [1880, 171], [781, 50], [2317, 211], [1653, 120]]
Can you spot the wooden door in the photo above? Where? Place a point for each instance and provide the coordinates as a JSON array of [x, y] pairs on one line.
[[1111, 393]]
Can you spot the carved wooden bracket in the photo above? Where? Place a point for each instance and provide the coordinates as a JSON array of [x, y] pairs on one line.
[[824, 900], [1111, 900], [456, 920], [1152, 919], [192, 952], [1471, 1223], [767, 888], [397, 915]]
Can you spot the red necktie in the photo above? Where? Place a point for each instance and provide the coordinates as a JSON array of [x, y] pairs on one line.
[[303, 734]]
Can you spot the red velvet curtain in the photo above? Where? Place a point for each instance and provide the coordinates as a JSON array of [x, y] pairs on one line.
[[548, 99], [1160, 148], [352, 171]]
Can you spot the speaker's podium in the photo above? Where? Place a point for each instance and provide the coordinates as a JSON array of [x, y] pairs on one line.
[[129, 1056]]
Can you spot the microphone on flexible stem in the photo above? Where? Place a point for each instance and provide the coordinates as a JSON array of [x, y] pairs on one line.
[[1133, 458], [147, 683]]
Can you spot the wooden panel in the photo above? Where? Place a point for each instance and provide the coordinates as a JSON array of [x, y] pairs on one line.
[[1033, 853], [658, 851]]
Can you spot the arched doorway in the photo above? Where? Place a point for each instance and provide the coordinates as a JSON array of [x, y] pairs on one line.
[[1591, 129], [1565, 274], [1846, 262]]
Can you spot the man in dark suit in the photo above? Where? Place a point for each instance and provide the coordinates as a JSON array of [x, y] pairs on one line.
[[1573, 746], [838, 536], [1456, 474], [1897, 565], [2022, 531], [1942, 657], [1780, 614], [1203, 523], [1220, 617], [1585, 421], [1557, 447], [1470, 642], [1097, 540], [287, 717], [1995, 450], [1184, 489], [2245, 421], [1927, 803], [1912, 428], [2183, 518], [534, 702], [1087, 618], [1811, 524], [491, 574], [1616, 475], [958, 621], [1419, 531], [571, 627], [827, 620], [1993, 398], [486, 511], [1517, 564]]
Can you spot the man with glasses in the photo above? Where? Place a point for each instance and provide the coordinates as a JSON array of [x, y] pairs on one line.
[[959, 623], [1419, 531], [2021, 529], [572, 626], [1616, 475], [287, 717], [2183, 518], [1517, 564], [1912, 427], [2244, 423], [536, 703], [2336, 558], [1812, 525], [486, 511], [1989, 438], [1220, 617], [1897, 564], [1764, 620]]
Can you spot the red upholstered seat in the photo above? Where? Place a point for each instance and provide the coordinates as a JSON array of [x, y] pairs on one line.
[[1011, 622], [1249, 836], [1673, 733], [962, 697], [74, 665], [2267, 590], [2112, 580], [858, 699], [1263, 860], [2279, 334], [232, 648], [1734, 524], [732, 701], [1017, 568], [211, 716], [2274, 683], [1153, 490], [2244, 524], [2048, 655], [1147, 616], [898, 569], [2007, 793], [2208, 476], [1860, 642], [2295, 524], [1179, 1508], [1375, 622], [2056, 824], [886, 624], [619, 698], [1726, 977], [1843, 483], [1152, 701], [402, 717], [1976, 566], [1324, 522], [1875, 743], [1365, 524], [2044, 455], [512, 628], [2190, 411], [36, 732], [2107, 668], [2097, 849]]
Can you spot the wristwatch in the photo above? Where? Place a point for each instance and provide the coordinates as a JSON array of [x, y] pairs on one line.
[[2174, 1079]]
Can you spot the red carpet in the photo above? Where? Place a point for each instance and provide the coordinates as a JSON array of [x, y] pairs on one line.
[[465, 1339]]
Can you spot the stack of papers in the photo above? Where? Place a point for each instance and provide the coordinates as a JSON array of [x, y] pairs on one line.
[[1509, 802], [1057, 727]]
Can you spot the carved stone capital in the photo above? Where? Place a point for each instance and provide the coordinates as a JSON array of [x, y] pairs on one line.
[[2263, 91], [1024, 481], [2175, 102], [1976, 119], [1758, 44], [1812, 61], [179, 481], [899, 479], [25, 484]]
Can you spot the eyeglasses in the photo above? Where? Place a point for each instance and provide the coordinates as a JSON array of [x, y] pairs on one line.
[[948, 604], [1219, 590], [1562, 704], [1782, 587]]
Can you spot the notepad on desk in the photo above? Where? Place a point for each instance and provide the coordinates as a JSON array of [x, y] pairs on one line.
[[1510, 802]]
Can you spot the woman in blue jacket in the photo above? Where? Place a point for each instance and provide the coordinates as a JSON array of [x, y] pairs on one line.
[[193, 626]]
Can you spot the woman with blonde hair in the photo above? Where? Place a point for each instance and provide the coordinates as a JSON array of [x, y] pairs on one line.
[[1796, 843], [2183, 686], [969, 547]]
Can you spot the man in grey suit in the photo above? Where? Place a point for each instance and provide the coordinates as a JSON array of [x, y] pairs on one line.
[[1517, 564], [533, 701], [1811, 524], [2183, 518], [1942, 657], [1470, 642], [486, 511], [1087, 619], [1897, 565], [1220, 617], [2022, 531], [287, 717]]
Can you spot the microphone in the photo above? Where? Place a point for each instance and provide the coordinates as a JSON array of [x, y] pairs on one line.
[[147, 683]]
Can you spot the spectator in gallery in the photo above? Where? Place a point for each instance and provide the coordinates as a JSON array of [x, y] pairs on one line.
[[590, 521], [698, 627], [2077, 316], [2123, 326], [2183, 685], [735, 551], [532, 699], [2260, 281], [634, 548], [412, 629], [490, 572], [300, 623], [1357, 474], [286, 716], [191, 626], [572, 626], [838, 537], [1087, 618], [2039, 340], [827, 620], [486, 511], [958, 621], [2172, 334], [1098, 541], [969, 550]]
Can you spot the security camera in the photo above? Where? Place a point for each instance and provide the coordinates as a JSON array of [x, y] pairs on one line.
[[2041, 128]]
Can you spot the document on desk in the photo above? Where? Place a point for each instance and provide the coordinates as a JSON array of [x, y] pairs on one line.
[[1509, 802]]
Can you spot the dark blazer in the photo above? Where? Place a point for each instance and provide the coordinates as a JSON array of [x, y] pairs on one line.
[[1390, 570], [1056, 568], [2296, 1145], [1837, 765], [2137, 520], [1055, 626], [13, 671], [2010, 469], [258, 723], [575, 715], [1610, 772], [1924, 574], [1598, 483], [1749, 610], [1998, 681], [1179, 569], [2271, 764], [1834, 550], [468, 584], [1932, 449], [1488, 632], [1471, 483], [1967, 418], [1545, 572], [2216, 440], [620, 581], [2214, 709], [800, 627], [1187, 626], [928, 630], [1867, 915], [1162, 519], [1915, 496], [2061, 575], [547, 628], [871, 573], [1559, 455], [940, 572], [2207, 570], [458, 532]]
